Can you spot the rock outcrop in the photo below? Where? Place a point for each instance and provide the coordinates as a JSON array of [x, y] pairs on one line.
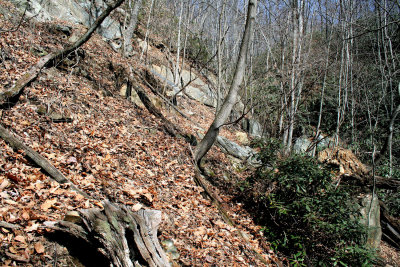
[[73, 11]]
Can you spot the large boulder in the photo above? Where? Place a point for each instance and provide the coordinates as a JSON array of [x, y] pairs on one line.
[[197, 89], [163, 72], [324, 141], [255, 128], [232, 148], [162, 80], [304, 142], [301, 145], [200, 95], [189, 76], [72, 11]]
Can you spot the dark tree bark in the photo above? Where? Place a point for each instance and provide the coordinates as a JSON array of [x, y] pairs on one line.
[[368, 181], [53, 59], [230, 100]]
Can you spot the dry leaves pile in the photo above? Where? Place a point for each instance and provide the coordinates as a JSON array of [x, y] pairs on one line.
[[111, 150]]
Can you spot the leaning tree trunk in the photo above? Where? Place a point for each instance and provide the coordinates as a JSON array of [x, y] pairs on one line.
[[53, 59], [114, 236], [230, 100], [128, 34]]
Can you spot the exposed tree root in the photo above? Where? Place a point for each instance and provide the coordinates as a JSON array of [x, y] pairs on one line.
[[114, 236]]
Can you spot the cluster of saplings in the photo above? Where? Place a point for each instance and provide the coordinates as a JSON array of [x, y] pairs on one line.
[[306, 215]]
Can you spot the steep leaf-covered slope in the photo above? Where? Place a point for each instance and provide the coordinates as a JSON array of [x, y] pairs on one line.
[[106, 146]]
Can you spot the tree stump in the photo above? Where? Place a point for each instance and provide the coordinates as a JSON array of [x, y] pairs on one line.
[[114, 236]]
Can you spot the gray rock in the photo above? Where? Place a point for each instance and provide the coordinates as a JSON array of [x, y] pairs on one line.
[[324, 141], [187, 76], [196, 90], [255, 128], [301, 145], [71, 11], [234, 149], [164, 80], [231, 148], [164, 72], [116, 46], [370, 217], [201, 96]]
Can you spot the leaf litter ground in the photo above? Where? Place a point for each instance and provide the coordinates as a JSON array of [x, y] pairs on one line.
[[111, 150]]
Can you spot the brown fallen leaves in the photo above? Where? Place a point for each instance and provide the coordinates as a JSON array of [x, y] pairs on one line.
[[111, 150]]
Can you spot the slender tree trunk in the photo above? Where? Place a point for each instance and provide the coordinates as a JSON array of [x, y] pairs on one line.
[[221, 30], [230, 100], [295, 84], [317, 132], [147, 29], [178, 50], [128, 34], [389, 139]]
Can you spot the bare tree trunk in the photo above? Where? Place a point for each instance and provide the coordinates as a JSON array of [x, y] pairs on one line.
[[230, 100], [322, 94], [221, 30], [128, 34], [147, 29], [53, 59], [389, 139], [295, 84], [178, 49]]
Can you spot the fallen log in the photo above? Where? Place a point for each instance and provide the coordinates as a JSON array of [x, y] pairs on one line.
[[114, 236], [368, 181], [390, 227], [11, 95], [7, 97], [169, 127], [9, 225], [54, 173]]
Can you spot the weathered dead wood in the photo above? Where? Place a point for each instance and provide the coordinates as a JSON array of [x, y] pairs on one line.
[[9, 225], [368, 180], [121, 237], [42, 162], [168, 126], [390, 227], [9, 95], [52, 59]]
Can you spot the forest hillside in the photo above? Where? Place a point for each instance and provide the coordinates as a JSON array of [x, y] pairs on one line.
[[179, 133]]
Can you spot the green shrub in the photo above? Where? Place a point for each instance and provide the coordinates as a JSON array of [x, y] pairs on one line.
[[306, 216], [268, 150]]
